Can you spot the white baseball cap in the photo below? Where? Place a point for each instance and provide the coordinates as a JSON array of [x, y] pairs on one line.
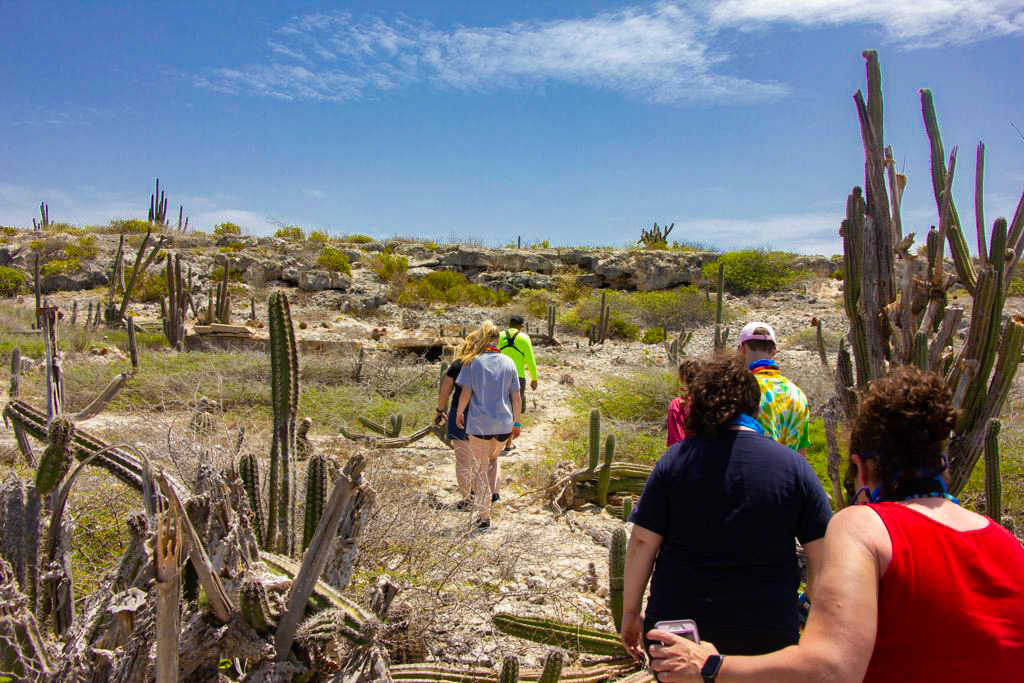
[[747, 333]]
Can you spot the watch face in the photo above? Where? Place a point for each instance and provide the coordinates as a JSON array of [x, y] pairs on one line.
[[711, 665]]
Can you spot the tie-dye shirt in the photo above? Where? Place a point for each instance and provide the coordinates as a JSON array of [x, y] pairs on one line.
[[784, 412]]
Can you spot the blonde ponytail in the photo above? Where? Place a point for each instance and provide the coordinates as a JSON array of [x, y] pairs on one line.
[[478, 340]]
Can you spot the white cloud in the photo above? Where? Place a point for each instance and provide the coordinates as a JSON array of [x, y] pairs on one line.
[[810, 233], [917, 23], [658, 52]]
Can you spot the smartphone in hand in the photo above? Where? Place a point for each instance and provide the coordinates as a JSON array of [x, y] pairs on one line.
[[684, 628]]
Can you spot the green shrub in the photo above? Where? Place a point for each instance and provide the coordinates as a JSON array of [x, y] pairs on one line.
[[123, 226], [152, 289], [319, 237], [218, 274], [334, 260], [653, 335], [60, 267], [84, 249], [535, 301], [672, 309], [1016, 287], [446, 287], [226, 229], [231, 248], [290, 232], [358, 239], [8, 231], [688, 246], [808, 339], [620, 328], [11, 281], [755, 271], [388, 266]]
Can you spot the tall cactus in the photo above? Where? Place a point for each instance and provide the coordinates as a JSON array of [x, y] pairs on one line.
[[604, 477], [284, 379], [552, 671], [993, 482], [158, 206], [249, 472], [316, 497], [222, 312], [552, 314], [616, 574], [177, 303], [44, 217], [721, 333], [595, 439], [906, 321], [509, 670], [57, 457], [394, 426]]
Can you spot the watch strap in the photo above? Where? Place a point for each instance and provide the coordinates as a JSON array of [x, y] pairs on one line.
[[711, 667]]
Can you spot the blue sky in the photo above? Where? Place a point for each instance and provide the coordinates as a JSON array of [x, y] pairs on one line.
[[575, 122]]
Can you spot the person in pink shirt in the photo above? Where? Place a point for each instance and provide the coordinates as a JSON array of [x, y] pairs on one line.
[[680, 406]]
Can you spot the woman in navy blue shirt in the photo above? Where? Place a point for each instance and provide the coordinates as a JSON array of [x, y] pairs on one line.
[[716, 523]]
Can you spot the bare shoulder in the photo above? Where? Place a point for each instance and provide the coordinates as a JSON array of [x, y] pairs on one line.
[[859, 522]]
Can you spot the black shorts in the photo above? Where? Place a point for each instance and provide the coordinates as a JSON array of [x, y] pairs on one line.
[[492, 437]]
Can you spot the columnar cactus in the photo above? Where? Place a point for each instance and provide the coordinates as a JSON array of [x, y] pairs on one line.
[[552, 314], [223, 306], [158, 206], [394, 426], [605, 476], [675, 348], [44, 217], [906, 321], [57, 457], [627, 508], [595, 439], [568, 636], [249, 472], [284, 376], [509, 670], [316, 497], [552, 671], [177, 303], [255, 607], [993, 483], [616, 574]]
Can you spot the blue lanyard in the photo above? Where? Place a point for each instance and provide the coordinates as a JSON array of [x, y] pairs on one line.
[[764, 363], [745, 420]]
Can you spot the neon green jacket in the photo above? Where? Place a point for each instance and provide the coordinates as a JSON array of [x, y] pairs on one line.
[[520, 351]]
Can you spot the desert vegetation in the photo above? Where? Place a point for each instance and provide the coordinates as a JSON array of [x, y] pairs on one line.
[[220, 461]]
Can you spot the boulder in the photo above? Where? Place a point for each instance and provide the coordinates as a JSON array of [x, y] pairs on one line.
[[517, 260], [469, 258], [88, 276], [290, 275], [317, 280], [513, 283]]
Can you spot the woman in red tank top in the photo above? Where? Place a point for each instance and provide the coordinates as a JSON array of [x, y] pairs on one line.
[[913, 587]]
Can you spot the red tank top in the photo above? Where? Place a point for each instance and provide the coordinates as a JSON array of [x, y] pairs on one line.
[[950, 604]]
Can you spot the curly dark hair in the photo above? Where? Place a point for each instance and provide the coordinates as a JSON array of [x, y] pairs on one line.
[[722, 389], [688, 369], [904, 420]]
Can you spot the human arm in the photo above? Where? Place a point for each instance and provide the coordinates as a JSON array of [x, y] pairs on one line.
[[640, 553], [517, 409], [837, 644], [447, 386], [813, 550], [531, 362], [460, 413], [675, 422]]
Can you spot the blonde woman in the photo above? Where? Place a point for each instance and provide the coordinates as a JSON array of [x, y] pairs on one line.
[[490, 393], [459, 437]]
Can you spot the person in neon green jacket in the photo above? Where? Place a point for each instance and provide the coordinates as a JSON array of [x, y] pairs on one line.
[[517, 346]]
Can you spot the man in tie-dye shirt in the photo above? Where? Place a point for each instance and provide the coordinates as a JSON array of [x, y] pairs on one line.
[[784, 412]]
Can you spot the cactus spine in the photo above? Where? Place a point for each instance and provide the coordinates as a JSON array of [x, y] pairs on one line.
[[316, 497], [552, 671], [595, 439], [993, 482], [509, 670], [616, 574], [254, 604], [568, 636], [249, 472], [721, 333], [284, 374], [57, 457], [604, 478]]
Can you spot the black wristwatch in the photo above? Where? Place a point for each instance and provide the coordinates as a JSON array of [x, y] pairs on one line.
[[711, 667]]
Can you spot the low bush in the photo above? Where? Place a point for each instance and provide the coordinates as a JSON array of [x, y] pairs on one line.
[[755, 271], [1016, 286], [535, 301], [125, 226], [653, 335], [670, 309], [388, 266], [620, 328], [227, 229], [218, 274], [290, 232], [334, 260], [84, 248], [808, 338], [11, 281], [358, 239], [446, 287], [64, 266], [319, 237], [152, 289]]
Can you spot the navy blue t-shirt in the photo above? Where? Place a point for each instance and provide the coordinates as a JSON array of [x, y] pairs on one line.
[[728, 508]]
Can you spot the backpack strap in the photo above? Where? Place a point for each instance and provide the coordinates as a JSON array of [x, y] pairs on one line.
[[510, 342]]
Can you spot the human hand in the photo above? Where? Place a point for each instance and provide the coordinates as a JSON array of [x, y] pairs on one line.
[[460, 420], [632, 628], [533, 385], [677, 659], [440, 418]]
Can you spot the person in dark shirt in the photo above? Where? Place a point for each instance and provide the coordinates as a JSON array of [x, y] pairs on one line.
[[716, 522]]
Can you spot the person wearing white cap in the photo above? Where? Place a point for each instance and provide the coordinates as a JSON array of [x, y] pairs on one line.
[[784, 412]]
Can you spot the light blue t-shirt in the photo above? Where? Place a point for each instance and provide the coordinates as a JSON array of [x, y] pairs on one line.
[[492, 377]]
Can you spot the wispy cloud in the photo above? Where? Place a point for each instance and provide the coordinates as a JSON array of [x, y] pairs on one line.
[[921, 23], [659, 53], [808, 233], [319, 194]]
